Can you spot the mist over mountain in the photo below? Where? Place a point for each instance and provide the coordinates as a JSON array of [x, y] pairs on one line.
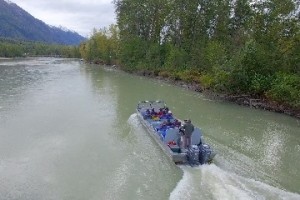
[[16, 23]]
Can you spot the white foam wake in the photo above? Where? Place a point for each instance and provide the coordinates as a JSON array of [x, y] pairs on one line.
[[211, 182], [133, 120]]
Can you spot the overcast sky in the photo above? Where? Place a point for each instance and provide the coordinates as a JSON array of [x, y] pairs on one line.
[[77, 15]]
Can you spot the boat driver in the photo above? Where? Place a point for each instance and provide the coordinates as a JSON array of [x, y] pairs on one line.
[[186, 136]]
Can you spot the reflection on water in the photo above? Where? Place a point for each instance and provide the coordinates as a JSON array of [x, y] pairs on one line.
[[68, 132]]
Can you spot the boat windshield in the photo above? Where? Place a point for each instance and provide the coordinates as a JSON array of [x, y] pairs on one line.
[[151, 104]]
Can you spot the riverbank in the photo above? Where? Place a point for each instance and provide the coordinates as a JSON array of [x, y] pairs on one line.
[[4, 58], [243, 100]]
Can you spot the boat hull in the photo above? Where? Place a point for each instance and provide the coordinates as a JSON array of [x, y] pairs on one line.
[[178, 158], [169, 138]]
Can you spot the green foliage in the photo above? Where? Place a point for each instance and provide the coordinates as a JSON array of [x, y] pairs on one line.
[[251, 72], [215, 54], [286, 89], [207, 81], [164, 74], [260, 84], [190, 76], [133, 52], [254, 59], [175, 75], [221, 81], [176, 58], [18, 48], [153, 57], [103, 46], [238, 47], [289, 49]]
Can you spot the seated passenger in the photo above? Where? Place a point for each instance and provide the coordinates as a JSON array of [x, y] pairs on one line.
[[153, 112], [163, 126], [148, 111], [166, 110], [177, 123], [160, 113], [147, 114], [169, 115], [166, 124], [169, 123]]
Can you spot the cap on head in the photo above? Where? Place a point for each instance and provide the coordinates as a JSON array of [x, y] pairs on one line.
[[187, 120]]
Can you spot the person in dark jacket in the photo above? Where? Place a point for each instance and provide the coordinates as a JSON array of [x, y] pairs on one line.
[[188, 129]]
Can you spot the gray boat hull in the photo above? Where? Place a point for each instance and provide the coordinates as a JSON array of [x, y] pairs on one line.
[[198, 153]]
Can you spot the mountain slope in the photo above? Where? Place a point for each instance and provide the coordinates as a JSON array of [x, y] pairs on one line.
[[17, 23]]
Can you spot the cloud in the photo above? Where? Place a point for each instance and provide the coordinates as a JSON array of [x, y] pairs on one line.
[[78, 15]]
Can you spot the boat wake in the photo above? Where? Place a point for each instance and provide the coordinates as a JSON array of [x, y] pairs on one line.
[[216, 182], [212, 182], [133, 120]]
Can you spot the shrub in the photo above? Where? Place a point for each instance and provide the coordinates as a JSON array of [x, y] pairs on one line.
[[175, 58], [164, 74], [260, 84], [286, 89], [206, 81], [190, 76], [221, 81]]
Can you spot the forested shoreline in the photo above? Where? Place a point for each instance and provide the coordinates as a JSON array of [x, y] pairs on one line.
[[239, 48], [20, 48]]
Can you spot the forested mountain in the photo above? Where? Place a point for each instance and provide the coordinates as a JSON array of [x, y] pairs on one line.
[[17, 23], [238, 47]]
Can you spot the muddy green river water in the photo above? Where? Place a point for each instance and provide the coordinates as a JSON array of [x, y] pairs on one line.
[[68, 130]]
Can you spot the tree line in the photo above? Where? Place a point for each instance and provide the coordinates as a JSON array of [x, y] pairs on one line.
[[230, 46], [20, 48]]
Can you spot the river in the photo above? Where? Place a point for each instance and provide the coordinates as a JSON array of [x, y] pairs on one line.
[[68, 130]]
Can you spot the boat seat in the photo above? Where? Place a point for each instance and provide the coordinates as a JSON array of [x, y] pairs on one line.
[[155, 124], [172, 134], [196, 136]]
